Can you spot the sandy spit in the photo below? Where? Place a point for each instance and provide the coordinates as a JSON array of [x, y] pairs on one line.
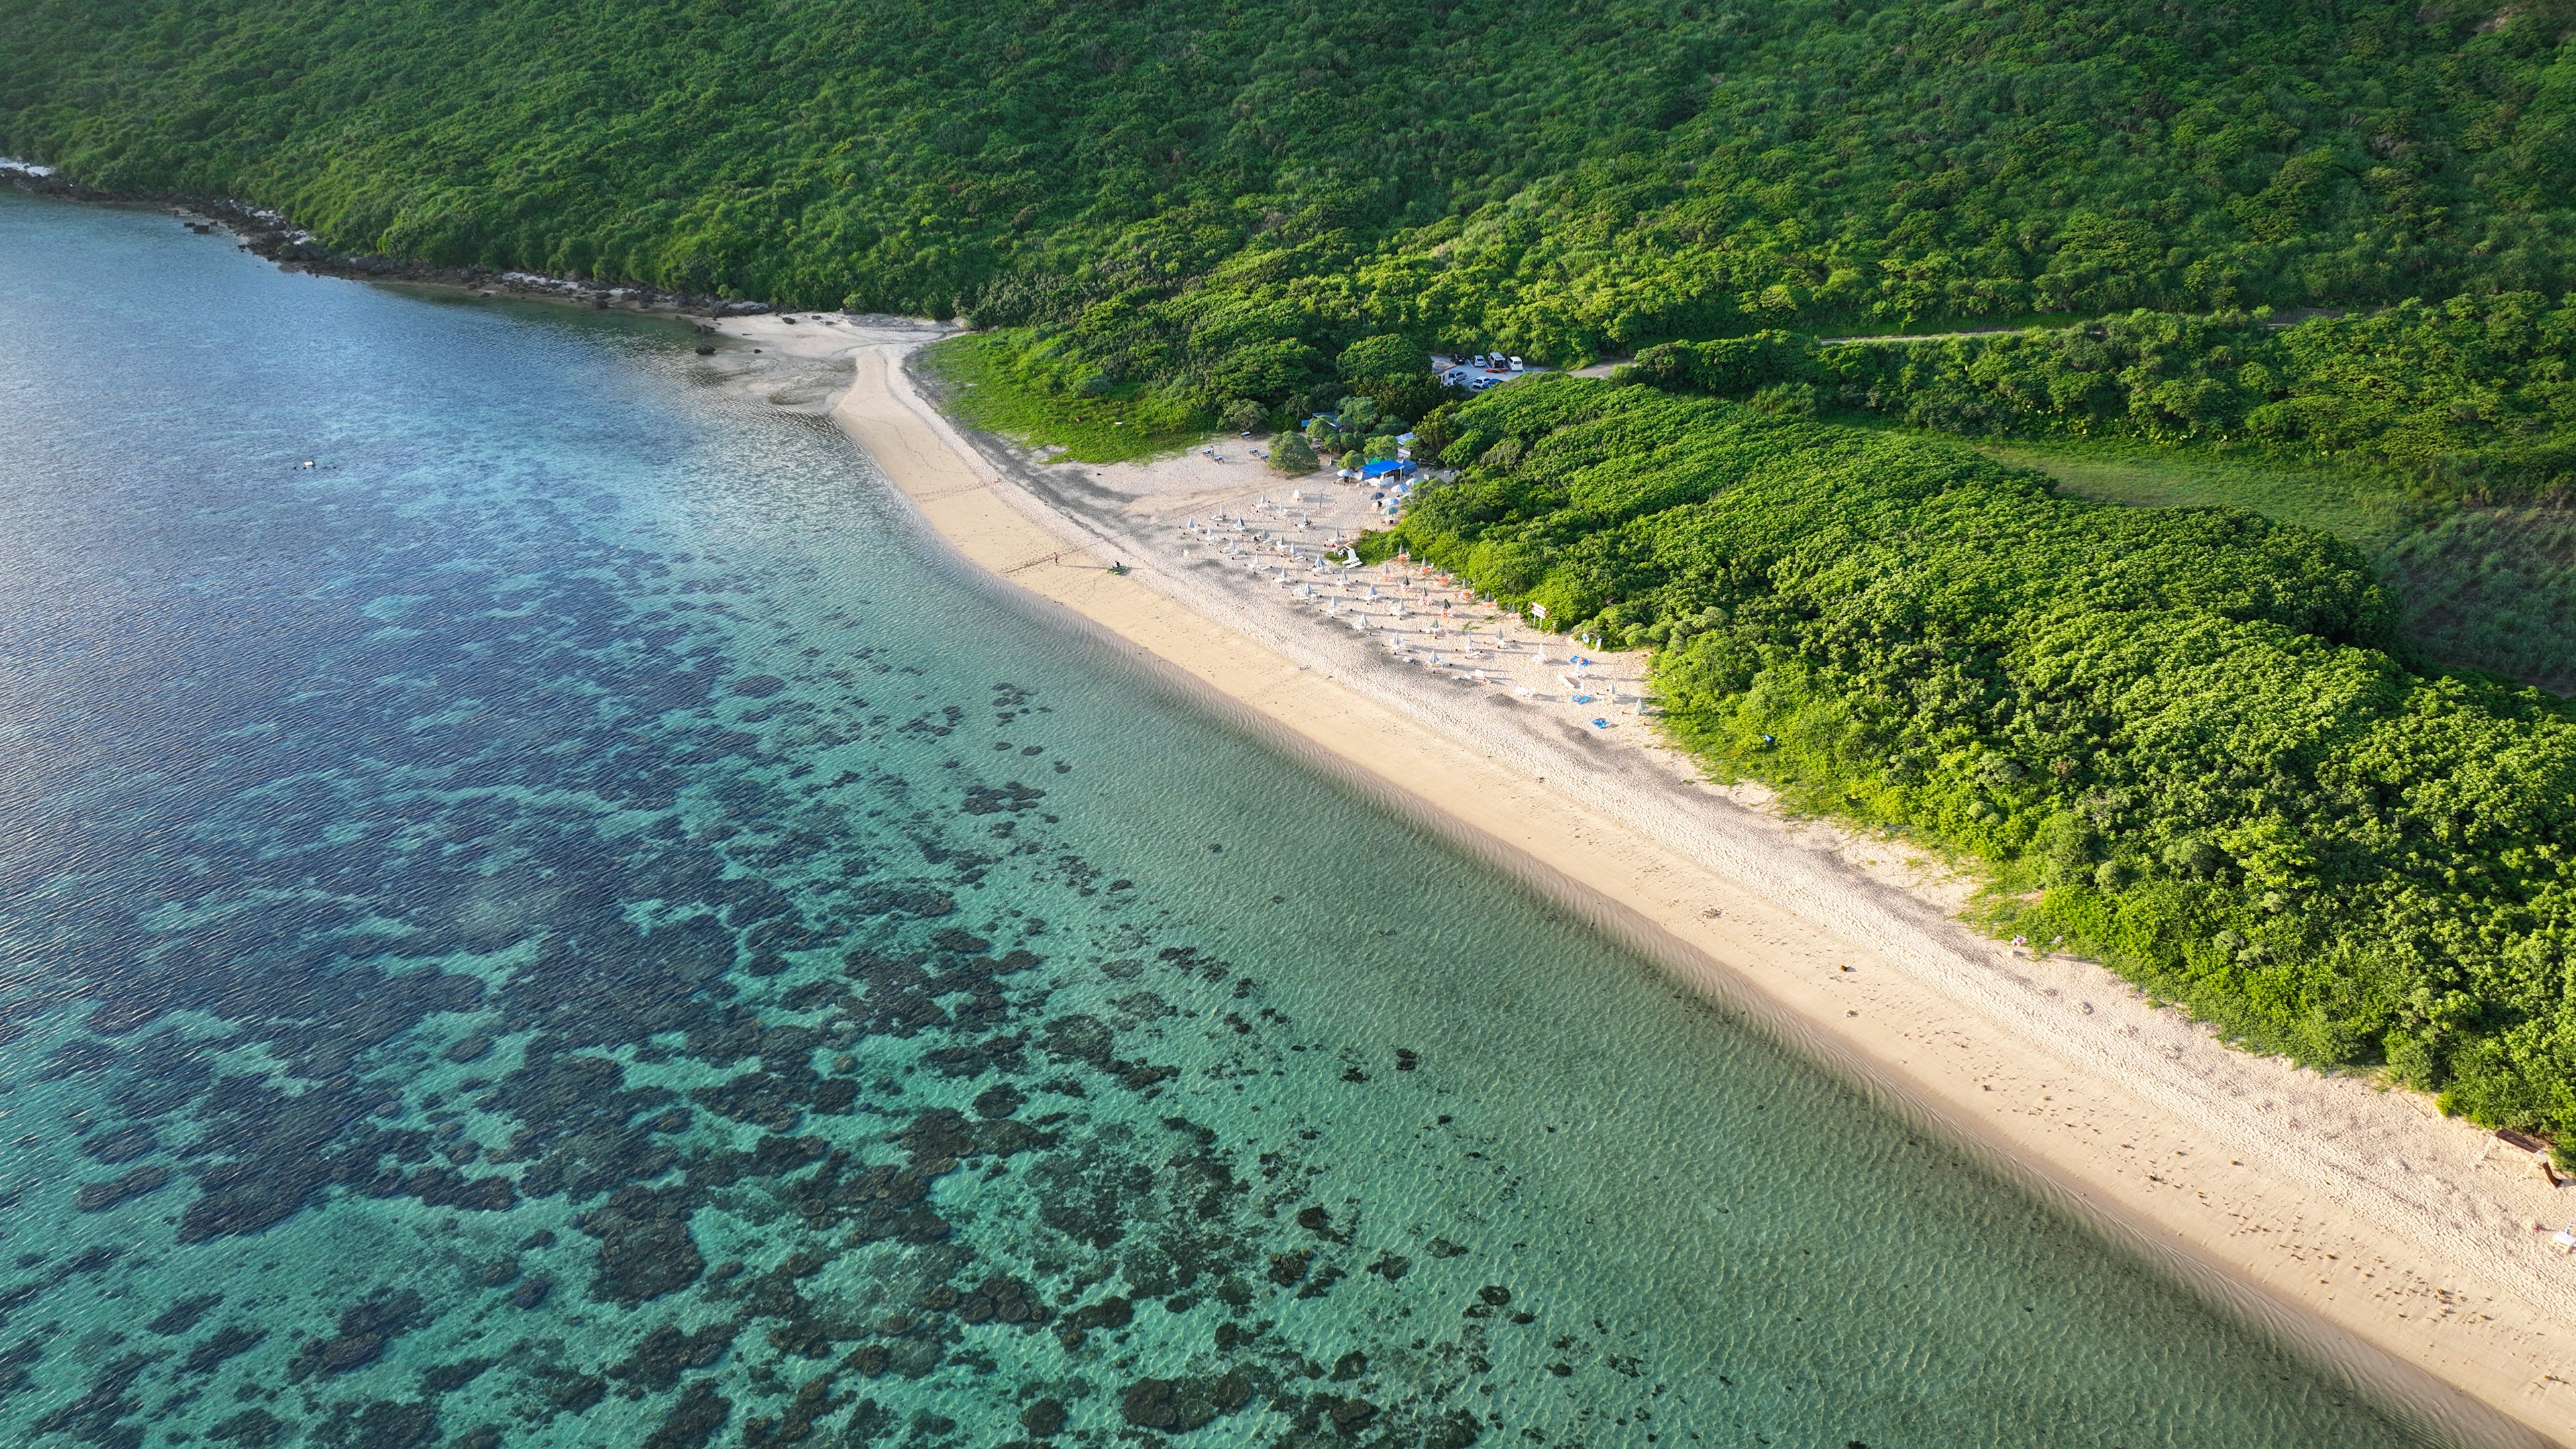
[[2396, 1246]]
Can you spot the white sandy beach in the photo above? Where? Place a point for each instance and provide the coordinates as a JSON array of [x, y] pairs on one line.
[[2306, 1199]]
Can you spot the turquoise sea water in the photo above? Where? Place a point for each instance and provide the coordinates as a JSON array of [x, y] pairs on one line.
[[565, 924]]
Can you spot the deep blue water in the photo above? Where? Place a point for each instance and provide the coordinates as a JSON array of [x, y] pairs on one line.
[[565, 924]]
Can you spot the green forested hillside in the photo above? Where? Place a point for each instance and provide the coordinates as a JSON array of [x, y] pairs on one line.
[[1212, 198], [2181, 730]]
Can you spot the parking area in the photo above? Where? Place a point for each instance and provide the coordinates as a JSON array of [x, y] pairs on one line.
[[1481, 371]]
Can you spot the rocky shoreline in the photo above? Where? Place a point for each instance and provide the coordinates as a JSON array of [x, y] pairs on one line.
[[273, 236]]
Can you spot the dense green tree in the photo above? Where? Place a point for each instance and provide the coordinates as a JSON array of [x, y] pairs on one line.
[[1384, 355]]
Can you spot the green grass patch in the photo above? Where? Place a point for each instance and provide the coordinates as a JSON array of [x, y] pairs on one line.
[[2491, 589], [980, 382], [2357, 504]]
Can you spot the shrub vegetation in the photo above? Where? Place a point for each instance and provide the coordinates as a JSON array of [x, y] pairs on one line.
[[2473, 398], [1291, 455], [2485, 587], [2179, 735], [991, 382]]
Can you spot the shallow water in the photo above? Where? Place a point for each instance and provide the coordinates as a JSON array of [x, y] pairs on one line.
[[564, 924]]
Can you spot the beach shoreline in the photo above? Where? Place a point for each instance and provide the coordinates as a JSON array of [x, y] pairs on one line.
[[2395, 1245]]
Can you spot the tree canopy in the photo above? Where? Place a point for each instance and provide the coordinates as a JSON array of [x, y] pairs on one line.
[[1384, 355], [1216, 199]]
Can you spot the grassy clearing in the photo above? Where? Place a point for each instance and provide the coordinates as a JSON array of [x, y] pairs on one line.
[[978, 387], [2492, 589], [2357, 505], [2488, 589]]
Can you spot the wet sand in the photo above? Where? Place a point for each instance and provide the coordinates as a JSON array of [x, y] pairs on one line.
[[2406, 1247]]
